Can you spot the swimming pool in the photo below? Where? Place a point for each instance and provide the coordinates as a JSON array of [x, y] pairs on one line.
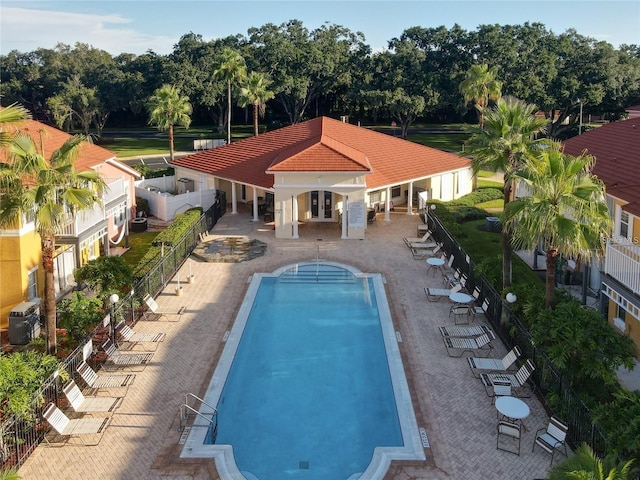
[[310, 384]]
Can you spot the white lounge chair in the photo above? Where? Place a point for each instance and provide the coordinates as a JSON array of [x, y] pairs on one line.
[[117, 359], [80, 403], [77, 427], [420, 252], [475, 331], [518, 380], [480, 365], [154, 309], [435, 294], [103, 381], [423, 239], [457, 346], [130, 336]]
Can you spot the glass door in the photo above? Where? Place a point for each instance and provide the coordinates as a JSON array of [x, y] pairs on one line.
[[321, 205]]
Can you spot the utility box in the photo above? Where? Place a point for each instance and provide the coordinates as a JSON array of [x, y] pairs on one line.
[[24, 323], [184, 185]]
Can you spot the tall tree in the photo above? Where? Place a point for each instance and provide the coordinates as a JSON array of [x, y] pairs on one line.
[[167, 107], [232, 68], [504, 143], [51, 191], [256, 92], [564, 208], [481, 85]]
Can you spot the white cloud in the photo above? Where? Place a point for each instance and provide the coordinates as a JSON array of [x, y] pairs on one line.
[[26, 30]]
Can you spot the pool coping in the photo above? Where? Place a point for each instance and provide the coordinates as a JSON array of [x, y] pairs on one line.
[[413, 448]]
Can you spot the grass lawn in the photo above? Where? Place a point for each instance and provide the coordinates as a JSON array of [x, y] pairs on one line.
[[480, 244], [139, 243], [492, 205], [443, 141]]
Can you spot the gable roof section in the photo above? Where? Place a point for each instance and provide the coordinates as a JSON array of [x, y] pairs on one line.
[[89, 155], [616, 148], [323, 145]]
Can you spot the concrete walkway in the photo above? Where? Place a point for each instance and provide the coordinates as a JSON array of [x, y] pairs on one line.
[[460, 420]]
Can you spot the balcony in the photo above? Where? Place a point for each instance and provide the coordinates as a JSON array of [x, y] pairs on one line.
[[82, 221], [622, 262]]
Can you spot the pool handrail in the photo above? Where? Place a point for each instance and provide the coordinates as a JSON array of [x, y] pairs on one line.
[[185, 408]]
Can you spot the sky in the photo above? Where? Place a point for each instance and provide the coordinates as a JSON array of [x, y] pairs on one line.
[[137, 26]]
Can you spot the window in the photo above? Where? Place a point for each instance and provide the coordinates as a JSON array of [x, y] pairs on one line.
[[243, 195], [395, 192], [374, 197], [32, 288], [624, 224]]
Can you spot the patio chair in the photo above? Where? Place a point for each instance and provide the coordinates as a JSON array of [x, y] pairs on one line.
[[461, 314], [480, 365], [435, 294], [371, 216], [103, 381], [500, 389], [518, 380], [457, 346], [154, 308], [80, 403], [77, 427], [465, 331], [480, 310], [117, 359], [552, 438], [130, 336], [451, 278], [511, 430]]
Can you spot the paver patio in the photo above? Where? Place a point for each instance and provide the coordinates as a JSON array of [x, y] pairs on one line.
[[460, 420]]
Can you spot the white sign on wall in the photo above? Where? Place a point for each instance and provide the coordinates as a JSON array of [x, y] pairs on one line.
[[356, 214]]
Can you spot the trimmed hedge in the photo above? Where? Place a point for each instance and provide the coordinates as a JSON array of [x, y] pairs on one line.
[[169, 237], [479, 196]]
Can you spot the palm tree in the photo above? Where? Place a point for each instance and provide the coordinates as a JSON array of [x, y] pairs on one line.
[[480, 85], [584, 464], [256, 92], [507, 138], [231, 67], [565, 208], [10, 118], [50, 191], [168, 108]]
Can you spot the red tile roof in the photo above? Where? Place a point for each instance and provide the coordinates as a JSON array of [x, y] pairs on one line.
[[89, 155], [323, 145], [616, 148]]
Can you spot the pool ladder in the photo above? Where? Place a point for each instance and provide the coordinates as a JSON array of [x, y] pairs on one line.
[[187, 411]]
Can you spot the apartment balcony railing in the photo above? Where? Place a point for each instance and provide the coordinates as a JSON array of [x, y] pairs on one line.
[[622, 262], [82, 221]]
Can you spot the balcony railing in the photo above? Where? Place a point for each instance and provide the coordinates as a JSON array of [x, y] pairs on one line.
[[622, 262], [82, 221]]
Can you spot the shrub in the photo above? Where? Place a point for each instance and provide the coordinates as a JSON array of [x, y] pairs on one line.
[[79, 314]]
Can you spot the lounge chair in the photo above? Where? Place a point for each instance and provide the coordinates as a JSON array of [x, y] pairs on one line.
[[117, 359], [465, 331], [103, 381], [154, 309], [422, 252], [552, 438], [130, 336], [485, 365], [457, 346], [80, 403], [435, 294], [424, 239], [77, 427], [518, 380]]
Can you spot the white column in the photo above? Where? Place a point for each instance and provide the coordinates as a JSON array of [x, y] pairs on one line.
[[387, 205], [255, 204], [294, 215], [410, 199], [234, 200], [345, 217]]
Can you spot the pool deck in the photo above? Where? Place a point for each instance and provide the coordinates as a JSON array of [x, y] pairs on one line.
[[142, 440]]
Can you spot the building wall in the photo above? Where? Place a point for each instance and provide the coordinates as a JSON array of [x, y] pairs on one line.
[[19, 253]]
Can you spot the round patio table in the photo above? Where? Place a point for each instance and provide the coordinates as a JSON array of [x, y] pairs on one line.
[[459, 297], [435, 263], [512, 407]]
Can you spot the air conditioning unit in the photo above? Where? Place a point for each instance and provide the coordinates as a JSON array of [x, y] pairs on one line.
[[24, 323], [184, 185]]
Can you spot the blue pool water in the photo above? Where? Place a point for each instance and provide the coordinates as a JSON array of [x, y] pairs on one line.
[[308, 393]]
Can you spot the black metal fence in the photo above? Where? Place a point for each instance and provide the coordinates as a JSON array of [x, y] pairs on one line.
[[21, 434], [546, 379]]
